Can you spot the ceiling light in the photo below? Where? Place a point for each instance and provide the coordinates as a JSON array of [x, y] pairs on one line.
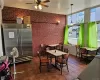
[[71, 15], [71, 24], [40, 7], [36, 7]]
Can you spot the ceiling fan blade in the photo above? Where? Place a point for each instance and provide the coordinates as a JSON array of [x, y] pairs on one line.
[[44, 5], [38, 0], [29, 3], [35, 0], [46, 1]]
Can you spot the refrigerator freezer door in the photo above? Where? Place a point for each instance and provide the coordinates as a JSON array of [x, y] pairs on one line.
[[26, 40], [10, 37], [19, 36]]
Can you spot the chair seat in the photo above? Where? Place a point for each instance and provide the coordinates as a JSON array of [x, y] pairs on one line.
[[88, 55], [44, 60], [61, 61]]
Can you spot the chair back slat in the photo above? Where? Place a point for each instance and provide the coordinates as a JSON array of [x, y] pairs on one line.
[[83, 51], [65, 56], [39, 55], [42, 49]]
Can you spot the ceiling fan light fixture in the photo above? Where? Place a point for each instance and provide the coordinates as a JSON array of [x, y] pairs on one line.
[[71, 15], [36, 7], [71, 24], [40, 3], [40, 7]]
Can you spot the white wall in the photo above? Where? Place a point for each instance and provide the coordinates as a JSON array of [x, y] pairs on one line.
[[72, 41], [82, 4], [71, 47]]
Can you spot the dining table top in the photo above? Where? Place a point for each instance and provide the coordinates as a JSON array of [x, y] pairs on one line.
[[90, 49], [56, 52], [53, 45]]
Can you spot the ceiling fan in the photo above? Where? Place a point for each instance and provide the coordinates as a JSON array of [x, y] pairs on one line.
[[40, 3]]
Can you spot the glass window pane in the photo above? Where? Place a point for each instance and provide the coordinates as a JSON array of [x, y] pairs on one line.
[[73, 32], [80, 17], [95, 14], [92, 14], [74, 18], [69, 20]]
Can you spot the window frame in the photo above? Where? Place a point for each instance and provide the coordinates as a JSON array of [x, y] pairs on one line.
[[98, 22], [76, 16]]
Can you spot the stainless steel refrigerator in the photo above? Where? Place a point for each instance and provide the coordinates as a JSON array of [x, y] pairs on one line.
[[19, 36]]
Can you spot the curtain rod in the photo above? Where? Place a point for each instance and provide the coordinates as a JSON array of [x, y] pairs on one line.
[[83, 23]]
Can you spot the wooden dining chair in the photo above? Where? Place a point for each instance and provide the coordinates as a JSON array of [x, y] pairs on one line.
[[60, 47], [44, 61], [87, 55], [83, 52], [65, 50], [62, 61], [42, 49]]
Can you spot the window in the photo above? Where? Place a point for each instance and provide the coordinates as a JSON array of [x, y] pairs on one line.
[[95, 14], [73, 32], [76, 18]]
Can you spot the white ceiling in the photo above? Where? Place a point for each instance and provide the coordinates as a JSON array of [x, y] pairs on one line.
[[55, 6]]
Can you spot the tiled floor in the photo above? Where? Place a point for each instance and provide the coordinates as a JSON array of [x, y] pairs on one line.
[[32, 70]]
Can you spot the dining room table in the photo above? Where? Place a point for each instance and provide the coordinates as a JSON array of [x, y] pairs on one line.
[[90, 49], [53, 46], [55, 53], [93, 53]]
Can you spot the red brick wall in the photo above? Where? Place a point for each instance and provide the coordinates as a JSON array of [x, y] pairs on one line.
[[44, 29]]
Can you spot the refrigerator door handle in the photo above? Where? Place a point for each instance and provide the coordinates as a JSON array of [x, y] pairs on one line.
[[21, 41], [18, 40]]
